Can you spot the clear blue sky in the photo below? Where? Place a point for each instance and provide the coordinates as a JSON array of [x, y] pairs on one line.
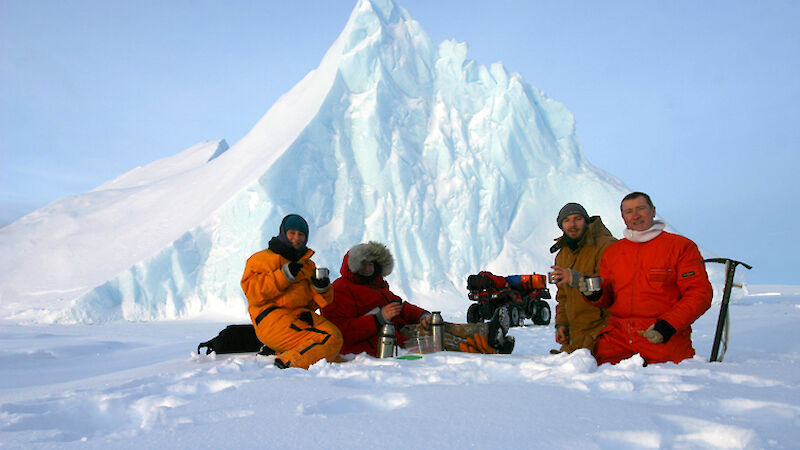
[[696, 103]]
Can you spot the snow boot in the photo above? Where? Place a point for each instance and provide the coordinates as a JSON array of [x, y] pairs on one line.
[[498, 327], [508, 346], [266, 351]]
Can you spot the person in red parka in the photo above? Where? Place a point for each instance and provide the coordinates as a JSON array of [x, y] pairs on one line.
[[654, 286], [364, 304]]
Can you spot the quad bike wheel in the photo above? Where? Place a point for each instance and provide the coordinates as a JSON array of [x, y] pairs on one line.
[[522, 316], [487, 311], [530, 307], [515, 316], [541, 314], [474, 313]]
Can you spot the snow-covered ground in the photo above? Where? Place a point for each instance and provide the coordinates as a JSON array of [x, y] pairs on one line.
[[141, 385]]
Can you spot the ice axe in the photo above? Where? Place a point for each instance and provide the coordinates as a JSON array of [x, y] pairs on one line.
[[722, 322]]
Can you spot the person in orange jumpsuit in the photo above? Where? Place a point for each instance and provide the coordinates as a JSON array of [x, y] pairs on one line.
[[654, 286], [282, 296]]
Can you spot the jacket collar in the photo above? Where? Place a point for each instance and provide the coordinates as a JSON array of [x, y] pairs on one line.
[[290, 253], [646, 235]]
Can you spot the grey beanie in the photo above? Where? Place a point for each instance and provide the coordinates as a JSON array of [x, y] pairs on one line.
[[571, 208]]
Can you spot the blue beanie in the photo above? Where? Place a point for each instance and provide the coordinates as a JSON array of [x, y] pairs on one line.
[[294, 222]]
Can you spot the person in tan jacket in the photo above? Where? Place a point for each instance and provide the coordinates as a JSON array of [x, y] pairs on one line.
[[282, 296], [580, 249]]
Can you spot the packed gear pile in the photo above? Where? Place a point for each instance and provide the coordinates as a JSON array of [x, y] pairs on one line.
[[523, 295]]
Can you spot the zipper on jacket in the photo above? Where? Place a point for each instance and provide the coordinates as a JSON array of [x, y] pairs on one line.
[[634, 285]]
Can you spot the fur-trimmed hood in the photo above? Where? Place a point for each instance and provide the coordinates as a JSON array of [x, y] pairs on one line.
[[371, 251]]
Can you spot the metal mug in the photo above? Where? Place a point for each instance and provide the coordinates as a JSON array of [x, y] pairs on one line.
[[321, 272], [591, 284]]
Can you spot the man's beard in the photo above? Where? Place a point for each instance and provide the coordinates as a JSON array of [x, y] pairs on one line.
[[572, 243]]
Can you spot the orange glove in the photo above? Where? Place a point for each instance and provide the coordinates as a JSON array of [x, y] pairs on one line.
[[464, 347], [477, 343]]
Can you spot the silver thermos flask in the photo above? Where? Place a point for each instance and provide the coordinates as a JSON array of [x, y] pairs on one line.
[[437, 330], [386, 341]]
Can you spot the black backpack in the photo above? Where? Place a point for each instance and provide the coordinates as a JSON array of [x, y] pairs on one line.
[[236, 339]]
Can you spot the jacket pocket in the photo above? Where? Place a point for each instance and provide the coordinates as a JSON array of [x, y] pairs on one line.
[[660, 276]]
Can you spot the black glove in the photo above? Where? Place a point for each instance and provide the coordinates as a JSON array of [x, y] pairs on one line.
[[294, 268], [594, 296], [321, 283]]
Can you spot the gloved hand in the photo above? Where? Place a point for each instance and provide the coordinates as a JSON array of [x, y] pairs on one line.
[[477, 343], [294, 268], [652, 335], [321, 283]]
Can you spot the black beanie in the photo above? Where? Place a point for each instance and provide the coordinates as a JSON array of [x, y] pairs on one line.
[[571, 208]]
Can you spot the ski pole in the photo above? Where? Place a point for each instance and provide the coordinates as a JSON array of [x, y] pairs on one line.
[[730, 269]]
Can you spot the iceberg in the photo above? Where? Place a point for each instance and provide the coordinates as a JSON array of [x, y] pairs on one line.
[[456, 166]]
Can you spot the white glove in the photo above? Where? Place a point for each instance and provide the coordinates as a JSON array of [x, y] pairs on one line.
[[652, 335]]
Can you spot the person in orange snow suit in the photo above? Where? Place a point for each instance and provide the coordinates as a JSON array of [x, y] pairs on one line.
[[282, 296], [654, 285], [364, 304], [580, 248]]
